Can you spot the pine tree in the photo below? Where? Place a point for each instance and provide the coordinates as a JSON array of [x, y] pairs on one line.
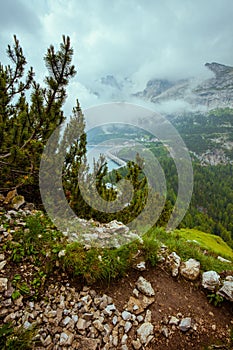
[[25, 126], [75, 164]]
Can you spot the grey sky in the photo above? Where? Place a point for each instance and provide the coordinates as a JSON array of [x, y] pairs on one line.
[[127, 38]]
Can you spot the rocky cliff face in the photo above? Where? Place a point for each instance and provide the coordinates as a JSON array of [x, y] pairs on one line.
[[211, 93], [217, 91]]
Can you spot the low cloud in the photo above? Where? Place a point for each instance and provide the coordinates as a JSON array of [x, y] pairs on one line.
[[134, 39]]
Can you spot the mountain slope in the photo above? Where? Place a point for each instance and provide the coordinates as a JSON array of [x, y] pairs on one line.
[[211, 93]]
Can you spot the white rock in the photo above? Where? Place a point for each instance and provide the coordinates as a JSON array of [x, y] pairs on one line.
[[75, 318], [185, 324], [124, 339], [144, 331], [173, 260], [226, 290], [61, 253], [124, 347], [140, 318], [165, 332], [107, 329], [190, 269], [210, 280], [27, 325], [115, 339], [229, 278], [2, 264], [141, 266], [220, 258], [66, 338], [126, 315], [174, 321], [148, 316], [66, 320], [63, 338], [114, 320], [145, 287], [128, 326], [110, 308], [3, 284], [31, 304]]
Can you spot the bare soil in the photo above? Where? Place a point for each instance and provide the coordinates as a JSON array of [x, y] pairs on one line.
[[176, 296]]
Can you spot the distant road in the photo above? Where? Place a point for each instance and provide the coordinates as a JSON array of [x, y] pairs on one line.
[[115, 159]]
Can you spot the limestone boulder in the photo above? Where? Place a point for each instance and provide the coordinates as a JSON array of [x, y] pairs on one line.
[[226, 290], [190, 269], [210, 280]]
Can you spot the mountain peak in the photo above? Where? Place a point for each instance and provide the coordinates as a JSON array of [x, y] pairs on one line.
[[110, 80], [219, 69]]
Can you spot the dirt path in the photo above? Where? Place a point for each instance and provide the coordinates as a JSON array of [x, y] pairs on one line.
[[177, 297]]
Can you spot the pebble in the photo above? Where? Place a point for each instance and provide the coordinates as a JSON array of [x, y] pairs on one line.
[[185, 324], [126, 315]]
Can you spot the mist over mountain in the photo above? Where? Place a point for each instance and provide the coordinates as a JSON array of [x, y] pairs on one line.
[[177, 95]]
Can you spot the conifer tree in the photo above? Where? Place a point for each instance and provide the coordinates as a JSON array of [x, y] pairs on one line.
[[25, 126]]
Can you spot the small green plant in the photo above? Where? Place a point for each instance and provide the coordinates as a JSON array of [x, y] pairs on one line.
[[97, 263], [150, 248], [37, 283], [35, 226], [5, 331], [215, 299], [15, 295], [20, 286], [17, 251], [20, 339], [16, 279]]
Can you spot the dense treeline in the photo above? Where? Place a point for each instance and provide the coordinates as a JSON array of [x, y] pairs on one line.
[[212, 202], [211, 207]]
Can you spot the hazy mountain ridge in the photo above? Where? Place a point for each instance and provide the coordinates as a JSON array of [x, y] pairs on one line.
[[192, 93], [211, 93]]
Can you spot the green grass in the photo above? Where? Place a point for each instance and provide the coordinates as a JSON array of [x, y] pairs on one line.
[[39, 243], [205, 253], [210, 242], [98, 263]]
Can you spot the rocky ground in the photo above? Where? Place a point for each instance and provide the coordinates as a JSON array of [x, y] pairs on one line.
[[144, 310], [150, 308]]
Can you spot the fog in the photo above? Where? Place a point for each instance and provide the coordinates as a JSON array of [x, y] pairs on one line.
[[132, 40]]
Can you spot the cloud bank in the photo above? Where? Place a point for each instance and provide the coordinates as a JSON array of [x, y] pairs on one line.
[[134, 38]]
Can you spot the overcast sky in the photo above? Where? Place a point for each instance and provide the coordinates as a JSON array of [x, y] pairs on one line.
[[139, 39]]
